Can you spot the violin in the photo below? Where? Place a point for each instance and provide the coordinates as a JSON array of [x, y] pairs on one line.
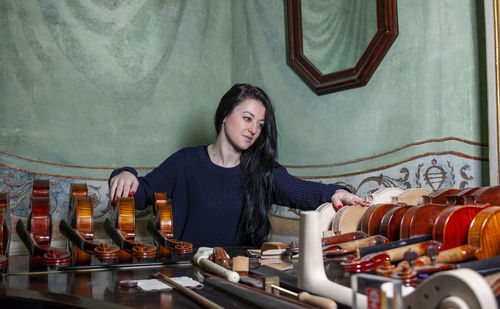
[[411, 196], [4, 229], [451, 226], [37, 235], [336, 239], [80, 231], [440, 196], [123, 231], [391, 222], [484, 232], [374, 260], [419, 220], [162, 229], [348, 219], [371, 219], [383, 195]]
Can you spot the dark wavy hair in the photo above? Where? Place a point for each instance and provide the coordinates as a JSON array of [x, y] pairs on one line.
[[257, 164]]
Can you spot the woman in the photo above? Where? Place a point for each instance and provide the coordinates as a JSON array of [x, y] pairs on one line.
[[221, 193]]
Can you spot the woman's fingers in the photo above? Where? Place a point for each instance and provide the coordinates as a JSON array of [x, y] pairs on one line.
[[122, 185], [342, 197]]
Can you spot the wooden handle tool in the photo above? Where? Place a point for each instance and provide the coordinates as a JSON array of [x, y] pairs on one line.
[[205, 302], [318, 301]]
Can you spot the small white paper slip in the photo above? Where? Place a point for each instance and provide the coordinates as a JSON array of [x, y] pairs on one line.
[[188, 282], [156, 285], [153, 285]]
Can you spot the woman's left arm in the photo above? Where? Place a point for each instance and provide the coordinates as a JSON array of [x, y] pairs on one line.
[[308, 195]]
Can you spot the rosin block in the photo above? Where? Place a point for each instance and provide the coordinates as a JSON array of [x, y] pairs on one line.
[[240, 264]]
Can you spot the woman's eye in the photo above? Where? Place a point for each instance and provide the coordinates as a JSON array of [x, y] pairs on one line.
[[261, 125], [246, 118]]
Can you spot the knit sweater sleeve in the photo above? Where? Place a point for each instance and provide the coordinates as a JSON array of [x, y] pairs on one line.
[[302, 194], [160, 179]]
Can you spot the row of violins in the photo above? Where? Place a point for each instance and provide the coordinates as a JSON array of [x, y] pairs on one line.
[[430, 232], [78, 228]]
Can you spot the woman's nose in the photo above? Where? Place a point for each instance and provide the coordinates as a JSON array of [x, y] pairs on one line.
[[253, 128]]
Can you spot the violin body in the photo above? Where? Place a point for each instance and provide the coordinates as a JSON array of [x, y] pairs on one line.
[[370, 222], [459, 197], [440, 196], [419, 220], [484, 232], [484, 195], [411, 196], [391, 222], [451, 227], [383, 196], [163, 229], [348, 219]]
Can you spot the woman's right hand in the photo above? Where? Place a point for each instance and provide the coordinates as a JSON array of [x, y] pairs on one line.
[[122, 185]]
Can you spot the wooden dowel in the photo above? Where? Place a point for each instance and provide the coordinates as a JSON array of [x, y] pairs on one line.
[[205, 302]]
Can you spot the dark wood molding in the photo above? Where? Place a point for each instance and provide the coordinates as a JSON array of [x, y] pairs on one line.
[[387, 23]]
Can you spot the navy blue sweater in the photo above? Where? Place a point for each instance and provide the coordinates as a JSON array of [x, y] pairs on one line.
[[207, 199]]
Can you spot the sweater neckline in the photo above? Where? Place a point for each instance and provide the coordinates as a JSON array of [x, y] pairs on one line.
[[205, 157]]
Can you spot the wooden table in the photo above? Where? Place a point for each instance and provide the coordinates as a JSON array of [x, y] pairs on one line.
[[21, 287]]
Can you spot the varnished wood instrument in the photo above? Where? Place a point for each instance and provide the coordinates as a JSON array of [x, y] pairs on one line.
[[484, 195], [451, 226], [383, 195], [454, 255], [352, 245], [37, 235], [391, 222], [335, 239], [484, 232], [411, 196], [4, 229], [80, 228], [372, 217], [123, 231], [162, 229], [348, 219], [440, 196], [459, 197], [419, 220], [220, 256], [49, 255], [372, 261]]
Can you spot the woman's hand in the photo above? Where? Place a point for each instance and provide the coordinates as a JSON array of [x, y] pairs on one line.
[[342, 197], [122, 185]]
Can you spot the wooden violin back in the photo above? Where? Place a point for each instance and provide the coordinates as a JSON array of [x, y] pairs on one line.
[[484, 195], [411, 196], [348, 219], [484, 232], [391, 222], [451, 227], [370, 222], [383, 196], [440, 196], [459, 197], [419, 220]]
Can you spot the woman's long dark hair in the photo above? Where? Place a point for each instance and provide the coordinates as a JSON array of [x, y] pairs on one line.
[[257, 164]]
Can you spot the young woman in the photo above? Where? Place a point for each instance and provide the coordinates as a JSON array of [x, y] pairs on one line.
[[221, 193]]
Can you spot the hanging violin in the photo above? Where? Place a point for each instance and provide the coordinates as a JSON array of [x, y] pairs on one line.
[[123, 231], [4, 229], [163, 228], [81, 229], [37, 235]]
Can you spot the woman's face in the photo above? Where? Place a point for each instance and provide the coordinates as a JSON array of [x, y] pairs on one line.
[[243, 125]]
